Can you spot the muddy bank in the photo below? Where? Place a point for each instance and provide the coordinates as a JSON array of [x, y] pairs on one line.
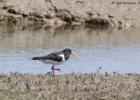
[[110, 13], [18, 86]]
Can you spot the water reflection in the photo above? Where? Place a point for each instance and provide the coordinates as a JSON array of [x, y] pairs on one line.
[[37, 37], [112, 50]]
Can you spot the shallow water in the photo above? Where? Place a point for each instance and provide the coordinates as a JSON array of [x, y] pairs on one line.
[[113, 50]]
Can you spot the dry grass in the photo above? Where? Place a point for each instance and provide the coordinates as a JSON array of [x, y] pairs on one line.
[[73, 86]]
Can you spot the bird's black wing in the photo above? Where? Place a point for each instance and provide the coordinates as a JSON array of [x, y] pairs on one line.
[[53, 56]]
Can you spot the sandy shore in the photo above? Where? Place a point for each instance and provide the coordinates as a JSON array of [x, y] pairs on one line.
[[17, 86], [111, 13]]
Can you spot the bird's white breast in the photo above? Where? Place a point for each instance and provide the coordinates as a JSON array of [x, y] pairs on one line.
[[63, 57]]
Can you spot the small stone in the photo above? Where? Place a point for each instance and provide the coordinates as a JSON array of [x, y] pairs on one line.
[[13, 11], [110, 16]]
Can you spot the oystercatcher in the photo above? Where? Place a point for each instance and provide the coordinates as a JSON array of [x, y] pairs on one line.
[[56, 58]]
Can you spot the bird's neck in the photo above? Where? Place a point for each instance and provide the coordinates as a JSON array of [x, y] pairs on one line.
[[67, 56]]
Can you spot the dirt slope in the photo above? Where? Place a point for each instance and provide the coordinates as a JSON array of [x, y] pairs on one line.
[[119, 13]]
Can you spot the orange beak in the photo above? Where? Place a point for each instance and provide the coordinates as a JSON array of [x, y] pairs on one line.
[[74, 54]]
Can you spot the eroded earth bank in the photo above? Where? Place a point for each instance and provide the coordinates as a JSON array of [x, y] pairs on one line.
[[115, 14]]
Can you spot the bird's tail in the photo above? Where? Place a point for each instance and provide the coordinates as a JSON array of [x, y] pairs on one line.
[[35, 58]]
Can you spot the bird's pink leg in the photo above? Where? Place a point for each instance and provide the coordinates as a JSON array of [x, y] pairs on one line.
[[52, 70]]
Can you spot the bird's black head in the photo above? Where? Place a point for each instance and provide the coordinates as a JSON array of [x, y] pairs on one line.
[[67, 51]]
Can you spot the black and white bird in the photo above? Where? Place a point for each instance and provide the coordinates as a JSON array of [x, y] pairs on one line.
[[56, 58]]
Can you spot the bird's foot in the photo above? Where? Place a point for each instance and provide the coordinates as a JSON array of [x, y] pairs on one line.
[[49, 73], [58, 69]]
